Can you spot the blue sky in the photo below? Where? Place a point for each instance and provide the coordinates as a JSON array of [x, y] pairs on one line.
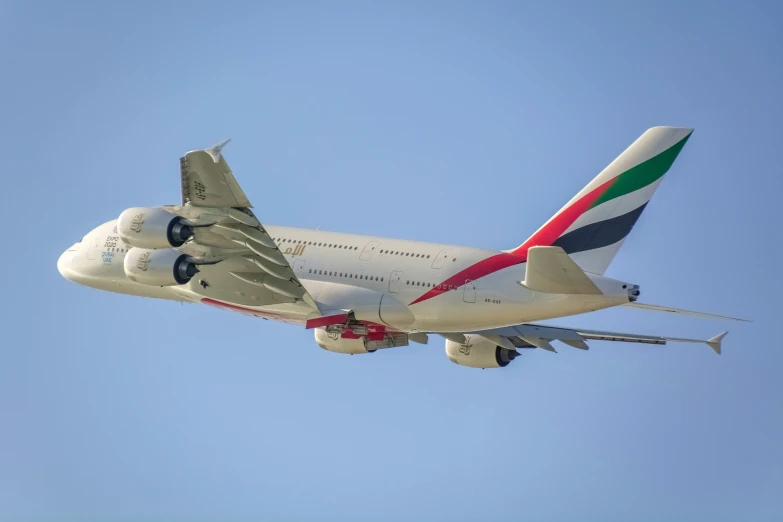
[[451, 122]]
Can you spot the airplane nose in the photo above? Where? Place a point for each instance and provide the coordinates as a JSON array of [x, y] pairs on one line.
[[63, 265]]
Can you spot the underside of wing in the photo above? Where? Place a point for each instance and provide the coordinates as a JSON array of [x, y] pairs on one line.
[[540, 336], [237, 258]]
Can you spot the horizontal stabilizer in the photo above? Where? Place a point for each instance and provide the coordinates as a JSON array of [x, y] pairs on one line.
[[656, 308], [551, 271]]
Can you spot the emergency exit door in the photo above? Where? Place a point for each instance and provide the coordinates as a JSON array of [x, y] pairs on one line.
[[395, 282]]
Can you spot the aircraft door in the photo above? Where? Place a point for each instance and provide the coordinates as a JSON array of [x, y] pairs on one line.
[[469, 295], [299, 265], [394, 282], [369, 248], [441, 258]]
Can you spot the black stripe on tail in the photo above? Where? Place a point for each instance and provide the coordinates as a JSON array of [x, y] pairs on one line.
[[601, 234]]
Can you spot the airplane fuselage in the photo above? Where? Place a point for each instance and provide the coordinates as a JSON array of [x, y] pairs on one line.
[[434, 287], [360, 294]]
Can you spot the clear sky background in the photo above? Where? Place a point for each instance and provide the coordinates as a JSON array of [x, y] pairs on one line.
[[453, 122]]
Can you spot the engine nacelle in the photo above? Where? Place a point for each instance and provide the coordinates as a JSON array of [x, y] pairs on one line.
[[158, 267], [332, 342], [152, 228], [335, 342], [478, 352]]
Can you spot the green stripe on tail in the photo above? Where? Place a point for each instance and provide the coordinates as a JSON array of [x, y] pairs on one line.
[[643, 174]]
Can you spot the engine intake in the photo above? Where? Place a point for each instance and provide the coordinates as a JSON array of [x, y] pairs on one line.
[[153, 228], [478, 352], [158, 267]]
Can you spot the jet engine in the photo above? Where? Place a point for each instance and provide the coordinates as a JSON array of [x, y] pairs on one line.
[[158, 267], [152, 228], [335, 342], [332, 342], [478, 352]]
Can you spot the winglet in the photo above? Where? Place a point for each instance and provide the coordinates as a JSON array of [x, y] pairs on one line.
[[714, 342], [214, 151]]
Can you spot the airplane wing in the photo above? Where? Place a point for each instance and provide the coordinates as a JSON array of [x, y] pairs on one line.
[[229, 241], [208, 182], [540, 336]]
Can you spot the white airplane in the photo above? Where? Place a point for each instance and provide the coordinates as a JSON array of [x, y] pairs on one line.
[[361, 293]]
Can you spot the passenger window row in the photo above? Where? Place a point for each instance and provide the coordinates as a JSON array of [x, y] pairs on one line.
[[347, 247], [345, 275], [314, 243], [430, 285], [407, 254]]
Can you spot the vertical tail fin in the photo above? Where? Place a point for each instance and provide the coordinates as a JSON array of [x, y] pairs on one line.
[[593, 225]]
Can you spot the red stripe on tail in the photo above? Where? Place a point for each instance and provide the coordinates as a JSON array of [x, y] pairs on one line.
[[549, 233]]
